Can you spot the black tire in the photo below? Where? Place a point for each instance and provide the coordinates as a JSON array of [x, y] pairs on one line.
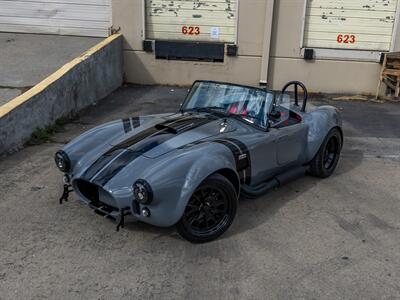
[[327, 157], [210, 211]]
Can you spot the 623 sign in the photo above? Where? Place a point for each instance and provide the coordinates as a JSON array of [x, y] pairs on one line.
[[346, 39], [190, 30]]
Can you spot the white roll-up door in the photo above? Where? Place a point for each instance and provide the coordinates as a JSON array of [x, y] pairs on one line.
[[350, 24], [195, 20], [69, 17]]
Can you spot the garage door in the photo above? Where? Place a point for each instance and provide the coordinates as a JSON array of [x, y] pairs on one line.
[[350, 24], [206, 20], [70, 17]]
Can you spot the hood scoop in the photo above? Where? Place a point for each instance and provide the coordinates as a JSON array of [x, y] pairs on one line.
[[184, 123], [167, 128]]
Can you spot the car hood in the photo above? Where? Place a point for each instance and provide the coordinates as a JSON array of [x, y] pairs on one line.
[[149, 138], [164, 134]]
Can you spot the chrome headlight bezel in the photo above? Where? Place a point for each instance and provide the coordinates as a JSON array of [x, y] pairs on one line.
[[142, 192]]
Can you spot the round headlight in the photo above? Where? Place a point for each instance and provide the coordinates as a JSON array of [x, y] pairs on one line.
[[142, 192], [62, 161]]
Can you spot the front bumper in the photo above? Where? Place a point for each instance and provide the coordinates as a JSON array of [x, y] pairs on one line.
[[97, 199], [115, 202]]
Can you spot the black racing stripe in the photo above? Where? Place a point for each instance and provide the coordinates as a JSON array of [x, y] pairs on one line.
[[134, 139], [180, 125], [115, 167], [236, 154], [99, 164], [143, 142], [111, 154], [245, 162], [133, 147], [127, 125], [130, 123], [135, 122], [130, 154]]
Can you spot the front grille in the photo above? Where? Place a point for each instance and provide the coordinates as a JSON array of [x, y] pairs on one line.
[[89, 190], [95, 194]]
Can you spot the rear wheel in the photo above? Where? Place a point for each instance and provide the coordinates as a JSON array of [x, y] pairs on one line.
[[210, 211], [325, 161]]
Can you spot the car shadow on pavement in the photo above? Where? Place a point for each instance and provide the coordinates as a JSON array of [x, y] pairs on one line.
[[254, 212], [158, 232]]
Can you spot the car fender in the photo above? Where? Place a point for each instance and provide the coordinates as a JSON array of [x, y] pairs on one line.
[[175, 179], [320, 122]]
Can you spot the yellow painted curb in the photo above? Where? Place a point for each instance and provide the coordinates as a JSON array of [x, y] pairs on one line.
[[12, 104]]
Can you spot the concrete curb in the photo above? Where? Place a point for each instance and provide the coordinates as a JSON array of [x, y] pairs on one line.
[[79, 83]]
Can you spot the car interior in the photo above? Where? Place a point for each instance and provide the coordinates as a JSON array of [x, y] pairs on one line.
[[284, 113]]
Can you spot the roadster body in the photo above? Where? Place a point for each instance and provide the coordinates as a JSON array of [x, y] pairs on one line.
[[189, 168]]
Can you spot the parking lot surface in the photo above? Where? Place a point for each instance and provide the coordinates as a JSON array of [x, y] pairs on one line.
[[337, 238], [27, 59]]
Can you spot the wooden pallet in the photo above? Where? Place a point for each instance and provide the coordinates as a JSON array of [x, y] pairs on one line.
[[390, 77]]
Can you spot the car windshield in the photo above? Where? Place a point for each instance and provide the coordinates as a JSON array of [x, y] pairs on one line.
[[250, 104]]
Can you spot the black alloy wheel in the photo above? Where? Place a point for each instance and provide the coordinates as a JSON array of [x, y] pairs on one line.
[[331, 152], [327, 157], [210, 210]]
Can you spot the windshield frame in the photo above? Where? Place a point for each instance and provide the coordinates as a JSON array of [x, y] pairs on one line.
[[237, 117]]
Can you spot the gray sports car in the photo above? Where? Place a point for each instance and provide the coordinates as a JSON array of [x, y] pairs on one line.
[[189, 168]]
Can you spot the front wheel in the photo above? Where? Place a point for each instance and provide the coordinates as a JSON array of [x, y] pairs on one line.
[[327, 157], [210, 211]]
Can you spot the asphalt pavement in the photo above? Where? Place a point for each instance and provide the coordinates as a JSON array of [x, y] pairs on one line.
[[27, 59], [337, 238]]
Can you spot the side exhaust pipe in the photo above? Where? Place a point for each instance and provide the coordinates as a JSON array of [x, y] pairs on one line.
[[256, 191]]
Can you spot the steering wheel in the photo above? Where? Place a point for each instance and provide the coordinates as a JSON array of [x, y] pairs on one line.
[[296, 85]]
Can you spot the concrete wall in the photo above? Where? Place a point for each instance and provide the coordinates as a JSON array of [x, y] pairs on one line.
[[260, 48], [78, 84]]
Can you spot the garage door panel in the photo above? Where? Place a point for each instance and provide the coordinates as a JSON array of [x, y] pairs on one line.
[[353, 22], [55, 10], [353, 30], [195, 22], [168, 20], [354, 4], [57, 23], [361, 38], [80, 2], [91, 18], [53, 30], [165, 5], [350, 24], [365, 45], [193, 14], [351, 13]]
